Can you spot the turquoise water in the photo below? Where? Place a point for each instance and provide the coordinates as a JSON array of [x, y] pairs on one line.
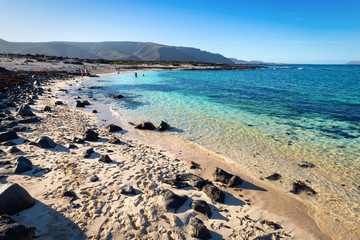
[[266, 120]]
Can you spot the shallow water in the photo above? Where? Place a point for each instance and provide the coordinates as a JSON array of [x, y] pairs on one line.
[[266, 120]]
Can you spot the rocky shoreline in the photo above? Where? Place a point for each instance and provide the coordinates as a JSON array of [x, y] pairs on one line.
[[81, 181]]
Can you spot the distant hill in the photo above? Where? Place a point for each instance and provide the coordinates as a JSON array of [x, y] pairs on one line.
[[353, 62], [145, 51], [254, 62]]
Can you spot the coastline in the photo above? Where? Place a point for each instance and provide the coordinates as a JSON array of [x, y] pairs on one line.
[[295, 217]]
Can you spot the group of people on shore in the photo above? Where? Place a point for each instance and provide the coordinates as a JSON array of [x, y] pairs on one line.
[[83, 71]]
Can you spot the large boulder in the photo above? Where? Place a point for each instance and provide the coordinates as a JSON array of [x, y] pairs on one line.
[[199, 230], [225, 177], [11, 230], [25, 112], [6, 136], [22, 164], [113, 128], [201, 206], [146, 126], [214, 193], [172, 201], [45, 142], [14, 198], [90, 135]]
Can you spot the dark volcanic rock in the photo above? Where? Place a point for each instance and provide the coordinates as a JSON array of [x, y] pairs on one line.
[[3, 96], [86, 103], [78, 140], [6, 136], [105, 159], [175, 183], [70, 145], [119, 96], [199, 230], [128, 190], [10, 104], [45, 142], [272, 224], [70, 194], [300, 186], [146, 126], [214, 193], [59, 103], [306, 165], [164, 126], [172, 201], [90, 135], [113, 128], [12, 149], [193, 180], [88, 152], [14, 199], [47, 109], [274, 177], [201, 206], [25, 112], [22, 164], [80, 104], [94, 111], [94, 178], [11, 230], [227, 178]]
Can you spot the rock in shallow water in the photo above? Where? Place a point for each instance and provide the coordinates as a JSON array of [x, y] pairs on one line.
[[14, 198], [274, 177], [146, 126], [163, 126], [300, 186]]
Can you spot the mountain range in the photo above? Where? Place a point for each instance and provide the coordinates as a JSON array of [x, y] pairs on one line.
[[139, 51]]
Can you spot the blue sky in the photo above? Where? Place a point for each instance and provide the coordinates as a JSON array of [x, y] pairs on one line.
[[277, 31]]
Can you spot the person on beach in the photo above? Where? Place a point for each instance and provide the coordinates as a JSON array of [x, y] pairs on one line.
[[82, 73], [85, 72]]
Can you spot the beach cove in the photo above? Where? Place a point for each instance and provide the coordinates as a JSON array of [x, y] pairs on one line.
[[142, 160]]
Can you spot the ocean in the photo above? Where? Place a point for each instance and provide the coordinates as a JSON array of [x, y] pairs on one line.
[[265, 120]]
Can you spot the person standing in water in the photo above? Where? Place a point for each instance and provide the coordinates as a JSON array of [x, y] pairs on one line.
[[135, 74]]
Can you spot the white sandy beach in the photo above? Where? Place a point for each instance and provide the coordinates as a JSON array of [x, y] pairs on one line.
[[142, 160]]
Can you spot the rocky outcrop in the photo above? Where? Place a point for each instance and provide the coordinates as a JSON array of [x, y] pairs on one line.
[[12, 230], [14, 198], [172, 201], [225, 177]]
